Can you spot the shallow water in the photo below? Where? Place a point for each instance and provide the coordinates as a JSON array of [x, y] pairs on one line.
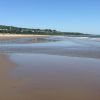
[[24, 42], [29, 44], [26, 47], [46, 77]]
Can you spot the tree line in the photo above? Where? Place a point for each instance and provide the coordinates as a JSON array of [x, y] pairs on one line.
[[18, 30]]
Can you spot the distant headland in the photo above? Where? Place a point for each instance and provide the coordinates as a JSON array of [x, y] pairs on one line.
[[31, 31], [18, 30]]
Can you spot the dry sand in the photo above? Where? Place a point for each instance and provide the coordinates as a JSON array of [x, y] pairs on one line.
[[14, 36]]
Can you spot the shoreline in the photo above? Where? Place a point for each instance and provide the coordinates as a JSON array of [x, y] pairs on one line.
[[43, 76], [86, 49]]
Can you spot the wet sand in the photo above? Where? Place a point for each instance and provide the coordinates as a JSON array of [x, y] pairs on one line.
[[63, 70], [48, 77], [6, 84]]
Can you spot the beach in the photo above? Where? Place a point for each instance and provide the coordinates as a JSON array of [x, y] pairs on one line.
[[53, 45], [6, 84], [55, 80], [68, 69], [49, 50], [15, 36]]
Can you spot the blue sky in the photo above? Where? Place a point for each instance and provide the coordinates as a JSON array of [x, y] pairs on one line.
[[63, 15]]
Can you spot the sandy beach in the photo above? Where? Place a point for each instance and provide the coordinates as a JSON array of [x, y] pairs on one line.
[[52, 70], [50, 50], [15, 36], [55, 78], [6, 84]]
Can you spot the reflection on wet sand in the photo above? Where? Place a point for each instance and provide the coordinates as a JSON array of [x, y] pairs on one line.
[[27, 72], [23, 41], [46, 77], [54, 45]]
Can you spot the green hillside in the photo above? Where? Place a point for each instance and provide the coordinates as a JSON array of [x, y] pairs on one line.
[[18, 30]]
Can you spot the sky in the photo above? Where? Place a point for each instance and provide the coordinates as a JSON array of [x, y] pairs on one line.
[[62, 15]]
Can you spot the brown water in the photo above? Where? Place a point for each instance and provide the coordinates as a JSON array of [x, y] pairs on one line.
[[50, 77]]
